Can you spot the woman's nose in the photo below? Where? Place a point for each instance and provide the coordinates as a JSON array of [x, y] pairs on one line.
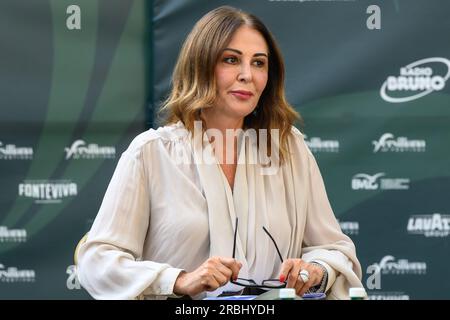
[[245, 74]]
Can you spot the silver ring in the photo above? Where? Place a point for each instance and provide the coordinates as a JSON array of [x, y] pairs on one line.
[[304, 274]]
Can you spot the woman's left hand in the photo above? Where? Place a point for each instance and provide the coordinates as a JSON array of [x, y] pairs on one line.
[[291, 268]]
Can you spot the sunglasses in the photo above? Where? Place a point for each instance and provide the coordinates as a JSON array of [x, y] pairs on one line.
[[250, 283]]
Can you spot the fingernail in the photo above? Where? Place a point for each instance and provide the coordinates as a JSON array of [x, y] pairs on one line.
[[282, 278]]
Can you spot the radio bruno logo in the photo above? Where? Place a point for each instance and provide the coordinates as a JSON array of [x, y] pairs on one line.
[[416, 80]]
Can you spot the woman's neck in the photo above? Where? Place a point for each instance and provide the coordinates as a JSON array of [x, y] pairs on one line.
[[219, 122], [215, 121]]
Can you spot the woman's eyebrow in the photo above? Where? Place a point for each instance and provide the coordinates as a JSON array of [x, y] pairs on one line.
[[240, 52]]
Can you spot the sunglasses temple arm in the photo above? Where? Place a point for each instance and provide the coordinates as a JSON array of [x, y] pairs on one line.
[[276, 247], [234, 241]]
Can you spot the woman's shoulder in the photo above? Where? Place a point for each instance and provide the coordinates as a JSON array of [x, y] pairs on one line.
[[168, 133], [296, 132], [298, 143]]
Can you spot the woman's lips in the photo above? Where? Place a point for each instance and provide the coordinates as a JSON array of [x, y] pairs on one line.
[[243, 95]]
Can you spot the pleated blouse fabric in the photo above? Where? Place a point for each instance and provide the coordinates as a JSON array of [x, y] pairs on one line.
[[166, 210]]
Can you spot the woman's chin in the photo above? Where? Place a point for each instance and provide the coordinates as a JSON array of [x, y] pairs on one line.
[[241, 114], [241, 111]]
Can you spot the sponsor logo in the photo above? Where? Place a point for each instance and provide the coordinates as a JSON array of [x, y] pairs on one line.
[[12, 274], [432, 225], [316, 144], [12, 152], [416, 80], [72, 282], [12, 235], [349, 227], [388, 296], [388, 143], [389, 265], [47, 191], [81, 150], [363, 181]]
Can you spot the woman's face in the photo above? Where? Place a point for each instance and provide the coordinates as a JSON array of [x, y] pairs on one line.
[[241, 73]]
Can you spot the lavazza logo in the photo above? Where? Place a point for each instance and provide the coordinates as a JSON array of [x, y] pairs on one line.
[[432, 225], [316, 144], [389, 265], [12, 274], [12, 235], [416, 80], [363, 181], [48, 191], [388, 143], [13, 152], [81, 150]]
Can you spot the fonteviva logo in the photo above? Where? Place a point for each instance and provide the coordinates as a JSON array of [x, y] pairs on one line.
[[416, 80], [48, 191]]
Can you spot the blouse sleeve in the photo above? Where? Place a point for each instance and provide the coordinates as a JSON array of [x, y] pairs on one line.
[[323, 240], [110, 262]]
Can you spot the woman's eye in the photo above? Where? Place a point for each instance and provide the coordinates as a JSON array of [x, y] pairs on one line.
[[231, 60], [259, 63]]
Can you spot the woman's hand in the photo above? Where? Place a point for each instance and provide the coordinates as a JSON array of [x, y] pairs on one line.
[[212, 274], [291, 268]]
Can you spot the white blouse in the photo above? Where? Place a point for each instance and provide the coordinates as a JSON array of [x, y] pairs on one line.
[[161, 215]]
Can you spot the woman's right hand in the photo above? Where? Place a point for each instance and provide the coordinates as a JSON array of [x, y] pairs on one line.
[[212, 274]]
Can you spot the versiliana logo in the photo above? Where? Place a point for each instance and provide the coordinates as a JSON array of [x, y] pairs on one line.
[[316, 144], [81, 150], [416, 80], [48, 191], [12, 152], [432, 225], [389, 265], [12, 235], [388, 143], [363, 181], [12, 274]]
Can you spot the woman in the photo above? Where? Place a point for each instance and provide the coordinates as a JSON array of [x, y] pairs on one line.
[[191, 209]]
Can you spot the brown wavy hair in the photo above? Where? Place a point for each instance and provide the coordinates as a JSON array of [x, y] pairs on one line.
[[194, 85]]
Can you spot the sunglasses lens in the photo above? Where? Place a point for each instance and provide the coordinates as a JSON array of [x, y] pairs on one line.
[[273, 283], [245, 282]]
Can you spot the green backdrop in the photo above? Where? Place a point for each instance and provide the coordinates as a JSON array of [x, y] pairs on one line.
[[72, 100]]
